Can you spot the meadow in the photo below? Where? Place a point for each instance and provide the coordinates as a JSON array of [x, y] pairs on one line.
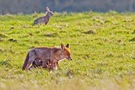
[[102, 48]]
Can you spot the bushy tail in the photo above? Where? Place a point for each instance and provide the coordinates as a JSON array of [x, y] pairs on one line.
[[26, 61]]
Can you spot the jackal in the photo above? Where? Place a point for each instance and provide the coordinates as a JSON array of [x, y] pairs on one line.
[[49, 57], [44, 19]]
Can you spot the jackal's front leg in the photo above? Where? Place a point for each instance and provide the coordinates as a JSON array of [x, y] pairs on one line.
[[44, 65], [57, 66]]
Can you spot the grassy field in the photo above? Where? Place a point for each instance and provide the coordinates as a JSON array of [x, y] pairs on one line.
[[102, 47]]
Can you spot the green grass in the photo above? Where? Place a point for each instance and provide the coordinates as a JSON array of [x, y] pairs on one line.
[[102, 48]]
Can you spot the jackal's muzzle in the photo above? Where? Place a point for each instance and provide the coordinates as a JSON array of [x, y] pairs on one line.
[[69, 58]]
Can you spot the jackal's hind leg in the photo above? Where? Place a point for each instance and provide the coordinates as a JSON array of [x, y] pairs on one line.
[[44, 64], [30, 61]]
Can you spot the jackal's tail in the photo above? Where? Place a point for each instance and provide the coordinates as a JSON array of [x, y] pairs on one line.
[[25, 62]]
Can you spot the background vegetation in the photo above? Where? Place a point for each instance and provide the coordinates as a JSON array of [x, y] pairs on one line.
[[102, 47], [30, 6]]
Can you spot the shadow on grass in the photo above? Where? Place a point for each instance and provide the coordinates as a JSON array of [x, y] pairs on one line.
[[132, 39], [5, 63], [51, 34]]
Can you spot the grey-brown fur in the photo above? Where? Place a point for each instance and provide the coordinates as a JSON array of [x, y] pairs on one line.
[[46, 57], [44, 19]]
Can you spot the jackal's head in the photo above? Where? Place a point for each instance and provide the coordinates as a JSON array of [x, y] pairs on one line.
[[48, 12], [66, 52]]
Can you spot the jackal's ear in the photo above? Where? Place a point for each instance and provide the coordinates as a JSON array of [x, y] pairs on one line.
[[47, 9], [62, 46], [67, 45]]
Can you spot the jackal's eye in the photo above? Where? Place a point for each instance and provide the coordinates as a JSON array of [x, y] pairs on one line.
[[67, 52]]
